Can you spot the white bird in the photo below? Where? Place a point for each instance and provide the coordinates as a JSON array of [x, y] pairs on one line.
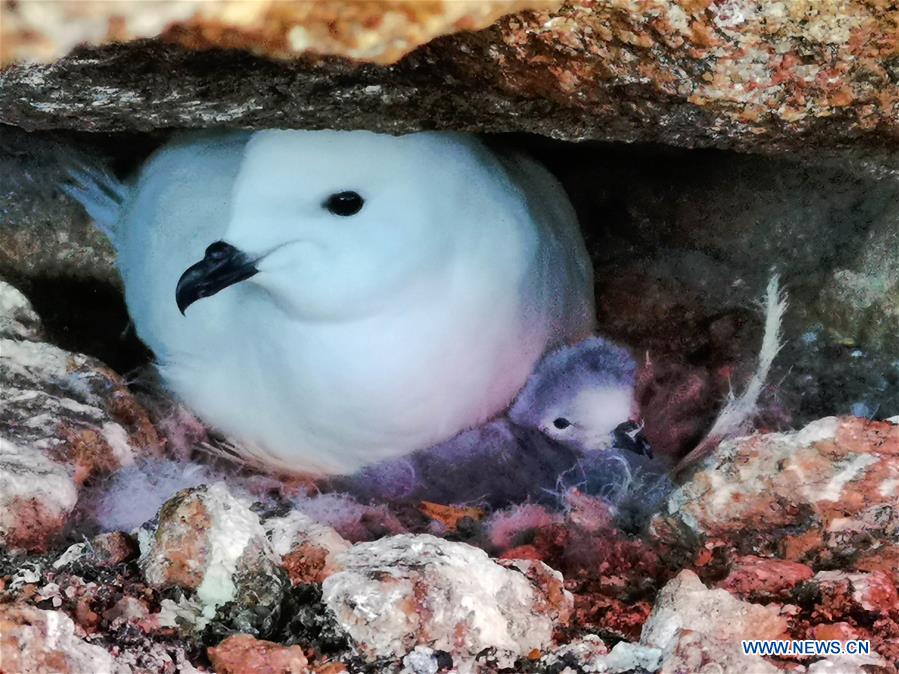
[[333, 299]]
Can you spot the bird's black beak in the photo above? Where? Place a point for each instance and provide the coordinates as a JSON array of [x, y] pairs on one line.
[[629, 436], [222, 266]]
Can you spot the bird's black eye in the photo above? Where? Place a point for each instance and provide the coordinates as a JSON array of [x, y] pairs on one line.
[[344, 203], [561, 423]]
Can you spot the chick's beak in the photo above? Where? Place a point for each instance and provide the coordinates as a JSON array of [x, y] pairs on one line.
[[629, 436], [222, 266]]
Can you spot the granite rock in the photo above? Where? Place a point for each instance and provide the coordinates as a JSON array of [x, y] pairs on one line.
[[788, 77], [208, 543], [244, 654], [823, 495], [36, 640], [408, 590], [65, 420]]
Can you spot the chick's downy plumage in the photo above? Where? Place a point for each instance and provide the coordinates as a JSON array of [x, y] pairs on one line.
[[582, 396], [347, 297]]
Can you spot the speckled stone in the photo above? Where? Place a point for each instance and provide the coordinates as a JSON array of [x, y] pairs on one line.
[[812, 78]]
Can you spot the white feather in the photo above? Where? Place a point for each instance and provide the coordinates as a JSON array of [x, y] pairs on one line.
[[739, 411]]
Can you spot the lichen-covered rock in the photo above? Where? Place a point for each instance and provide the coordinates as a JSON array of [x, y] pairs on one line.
[[64, 419], [590, 654], [405, 590], [210, 544], [36, 497], [35, 640], [822, 495], [758, 578], [110, 549], [244, 654], [692, 651], [804, 77], [694, 625], [868, 595], [308, 549], [379, 31], [686, 604]]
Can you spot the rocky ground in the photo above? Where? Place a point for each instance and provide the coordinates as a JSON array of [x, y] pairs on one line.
[[126, 548]]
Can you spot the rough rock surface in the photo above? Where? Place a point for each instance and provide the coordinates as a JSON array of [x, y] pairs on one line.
[[65, 419], [590, 654], [864, 294], [43, 234], [405, 590], [244, 654], [17, 318], [308, 549], [693, 625], [209, 543], [760, 579], [34, 640], [824, 495], [380, 31], [685, 603], [743, 75]]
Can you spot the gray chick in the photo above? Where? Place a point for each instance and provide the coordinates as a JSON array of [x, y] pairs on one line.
[[582, 396], [578, 402]]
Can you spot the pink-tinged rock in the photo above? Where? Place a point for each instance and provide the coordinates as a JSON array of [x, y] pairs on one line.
[[552, 599], [844, 593], [840, 631], [36, 497], [245, 654], [686, 604], [308, 550], [805, 76], [127, 610], [754, 577], [64, 418], [34, 640], [701, 652], [833, 485], [408, 590], [112, 548], [210, 543], [588, 651], [695, 626]]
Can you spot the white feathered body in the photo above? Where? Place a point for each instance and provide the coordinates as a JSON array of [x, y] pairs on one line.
[[494, 273]]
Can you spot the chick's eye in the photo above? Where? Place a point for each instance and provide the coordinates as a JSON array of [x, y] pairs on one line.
[[561, 423], [344, 203]]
